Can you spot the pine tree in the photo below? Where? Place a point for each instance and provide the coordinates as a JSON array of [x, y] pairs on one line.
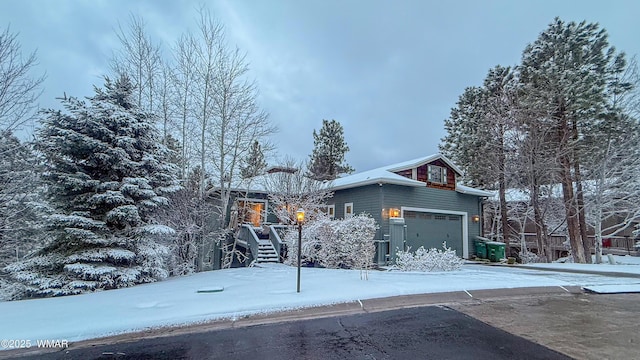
[[564, 75], [254, 163], [477, 135], [106, 175], [328, 157], [21, 200]]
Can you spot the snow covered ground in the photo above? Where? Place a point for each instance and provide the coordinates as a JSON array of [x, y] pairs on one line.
[[256, 290], [623, 264]]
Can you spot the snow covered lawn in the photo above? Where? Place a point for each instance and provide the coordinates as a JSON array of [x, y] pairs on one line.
[[248, 291], [623, 264]]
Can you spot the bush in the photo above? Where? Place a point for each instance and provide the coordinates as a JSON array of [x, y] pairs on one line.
[[428, 260], [528, 257], [335, 244]]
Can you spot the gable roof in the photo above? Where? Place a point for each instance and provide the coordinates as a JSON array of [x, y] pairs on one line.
[[406, 165], [381, 175], [386, 175], [375, 176]]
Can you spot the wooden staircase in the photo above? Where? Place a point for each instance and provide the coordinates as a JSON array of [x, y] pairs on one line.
[[266, 252]]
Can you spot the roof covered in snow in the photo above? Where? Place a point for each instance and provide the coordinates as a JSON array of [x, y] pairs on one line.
[[381, 175], [386, 175]]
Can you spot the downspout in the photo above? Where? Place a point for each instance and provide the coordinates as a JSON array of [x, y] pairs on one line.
[[382, 254]]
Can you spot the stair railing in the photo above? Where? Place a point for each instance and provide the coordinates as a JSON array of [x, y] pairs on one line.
[[250, 236], [276, 241]]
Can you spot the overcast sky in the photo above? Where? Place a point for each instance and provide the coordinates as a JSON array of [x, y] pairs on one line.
[[388, 71]]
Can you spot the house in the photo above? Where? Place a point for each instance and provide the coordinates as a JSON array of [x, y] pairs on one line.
[[617, 230], [416, 203]]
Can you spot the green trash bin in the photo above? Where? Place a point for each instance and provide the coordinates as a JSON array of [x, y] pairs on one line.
[[481, 249], [495, 251]]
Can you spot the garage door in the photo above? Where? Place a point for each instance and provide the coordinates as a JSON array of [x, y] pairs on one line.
[[431, 229]]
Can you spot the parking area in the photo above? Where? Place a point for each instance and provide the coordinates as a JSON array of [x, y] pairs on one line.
[[583, 325]]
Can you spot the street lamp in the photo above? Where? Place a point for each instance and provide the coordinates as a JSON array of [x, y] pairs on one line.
[[300, 219]]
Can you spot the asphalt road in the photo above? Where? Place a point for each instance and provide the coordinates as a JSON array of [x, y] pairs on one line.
[[432, 332]]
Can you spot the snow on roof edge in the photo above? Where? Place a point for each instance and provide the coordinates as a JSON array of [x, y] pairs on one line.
[[473, 191]]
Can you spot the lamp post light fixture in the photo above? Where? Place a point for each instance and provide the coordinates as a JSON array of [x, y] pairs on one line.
[[300, 219]]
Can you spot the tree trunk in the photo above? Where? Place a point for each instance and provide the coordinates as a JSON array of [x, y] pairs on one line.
[[506, 229], [564, 137], [582, 222], [598, 242], [580, 196], [537, 215], [571, 212]]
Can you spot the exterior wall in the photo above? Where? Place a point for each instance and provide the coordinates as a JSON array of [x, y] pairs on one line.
[[366, 199], [423, 197], [378, 199]]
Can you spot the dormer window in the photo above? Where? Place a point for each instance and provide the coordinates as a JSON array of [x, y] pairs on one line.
[[437, 174]]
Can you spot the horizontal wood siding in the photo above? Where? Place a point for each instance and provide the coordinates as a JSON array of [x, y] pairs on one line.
[[372, 199], [365, 199], [423, 197]]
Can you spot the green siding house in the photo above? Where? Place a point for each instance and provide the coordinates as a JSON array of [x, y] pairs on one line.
[[416, 203]]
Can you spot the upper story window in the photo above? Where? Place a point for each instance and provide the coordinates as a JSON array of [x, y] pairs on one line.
[[437, 174]]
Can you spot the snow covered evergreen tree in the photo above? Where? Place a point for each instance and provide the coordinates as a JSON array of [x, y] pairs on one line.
[[106, 175], [21, 201], [564, 78], [327, 160], [254, 163], [478, 136]]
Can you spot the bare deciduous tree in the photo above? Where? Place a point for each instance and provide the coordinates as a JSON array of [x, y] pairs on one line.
[[293, 190], [140, 59], [19, 91]]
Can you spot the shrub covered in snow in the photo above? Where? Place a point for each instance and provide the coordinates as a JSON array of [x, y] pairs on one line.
[[428, 260], [528, 257], [335, 244]]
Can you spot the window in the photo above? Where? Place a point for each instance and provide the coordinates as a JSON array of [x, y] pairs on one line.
[[251, 212], [437, 174], [348, 210], [331, 211]]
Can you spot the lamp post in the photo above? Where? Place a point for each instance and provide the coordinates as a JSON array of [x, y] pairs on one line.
[[300, 219]]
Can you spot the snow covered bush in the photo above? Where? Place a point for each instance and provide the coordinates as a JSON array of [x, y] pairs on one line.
[[106, 175], [428, 260], [336, 244], [528, 257]]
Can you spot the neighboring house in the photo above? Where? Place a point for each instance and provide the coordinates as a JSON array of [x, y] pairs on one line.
[[416, 203], [618, 232]]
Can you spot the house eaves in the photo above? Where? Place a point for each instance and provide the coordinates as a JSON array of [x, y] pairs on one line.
[[473, 191], [375, 176]]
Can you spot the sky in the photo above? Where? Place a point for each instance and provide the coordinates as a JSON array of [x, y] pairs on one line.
[[388, 71]]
